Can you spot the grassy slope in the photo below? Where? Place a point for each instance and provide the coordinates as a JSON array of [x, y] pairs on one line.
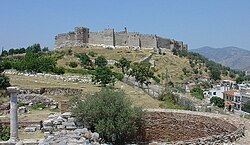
[[114, 54], [137, 96]]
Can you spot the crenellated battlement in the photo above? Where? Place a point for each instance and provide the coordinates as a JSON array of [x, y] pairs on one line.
[[109, 38]]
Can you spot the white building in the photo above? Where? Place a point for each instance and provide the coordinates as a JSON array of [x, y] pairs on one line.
[[215, 92]]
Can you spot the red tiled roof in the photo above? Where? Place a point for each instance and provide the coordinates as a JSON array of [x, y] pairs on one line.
[[230, 92]]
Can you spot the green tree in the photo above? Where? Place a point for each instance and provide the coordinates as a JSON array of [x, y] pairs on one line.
[[240, 79], [11, 51], [197, 92], [246, 107], [45, 49], [215, 74], [124, 64], [6, 64], [217, 102], [101, 61], [35, 48], [104, 76], [73, 64], [4, 53], [142, 72], [84, 59], [110, 113], [4, 81], [22, 50]]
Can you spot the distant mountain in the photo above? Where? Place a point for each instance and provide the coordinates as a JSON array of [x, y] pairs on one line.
[[235, 58]]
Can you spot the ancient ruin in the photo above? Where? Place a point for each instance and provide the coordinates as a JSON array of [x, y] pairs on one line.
[[109, 38], [13, 114]]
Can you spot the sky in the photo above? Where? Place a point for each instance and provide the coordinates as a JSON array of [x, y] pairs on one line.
[[215, 23]]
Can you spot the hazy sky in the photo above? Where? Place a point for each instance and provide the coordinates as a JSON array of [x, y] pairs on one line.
[[215, 23]]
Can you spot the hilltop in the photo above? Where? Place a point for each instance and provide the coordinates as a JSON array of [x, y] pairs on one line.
[[233, 57]]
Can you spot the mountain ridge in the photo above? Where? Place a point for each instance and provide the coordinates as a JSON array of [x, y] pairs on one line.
[[231, 56]]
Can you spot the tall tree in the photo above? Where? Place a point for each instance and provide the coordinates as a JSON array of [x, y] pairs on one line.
[[142, 72], [104, 76], [124, 64]]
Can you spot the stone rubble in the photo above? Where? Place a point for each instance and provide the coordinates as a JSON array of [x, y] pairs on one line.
[[80, 79]]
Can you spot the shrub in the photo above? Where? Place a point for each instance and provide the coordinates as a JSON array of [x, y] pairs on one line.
[[156, 79], [6, 64], [4, 133], [110, 113], [73, 64], [4, 81], [197, 93], [101, 61], [37, 106], [217, 102], [92, 54], [119, 76], [59, 70]]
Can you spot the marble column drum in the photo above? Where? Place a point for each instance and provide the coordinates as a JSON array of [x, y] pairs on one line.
[[13, 91]]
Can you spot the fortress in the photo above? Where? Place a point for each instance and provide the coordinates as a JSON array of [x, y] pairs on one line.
[[109, 38]]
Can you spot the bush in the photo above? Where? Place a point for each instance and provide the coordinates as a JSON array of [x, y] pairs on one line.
[[73, 64], [4, 81], [6, 64], [217, 102], [197, 93], [101, 61], [110, 113], [59, 70], [37, 106], [92, 54], [157, 79], [119, 76], [246, 107], [4, 133]]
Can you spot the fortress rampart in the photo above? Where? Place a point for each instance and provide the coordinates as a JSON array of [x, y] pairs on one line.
[[109, 38]]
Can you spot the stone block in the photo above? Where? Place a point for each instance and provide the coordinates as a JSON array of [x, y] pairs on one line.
[[95, 136], [52, 116], [71, 127], [48, 122], [60, 127], [30, 129], [66, 115], [61, 119], [47, 128], [68, 123], [71, 119], [57, 122]]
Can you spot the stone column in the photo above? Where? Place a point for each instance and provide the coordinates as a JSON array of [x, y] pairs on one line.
[[13, 114]]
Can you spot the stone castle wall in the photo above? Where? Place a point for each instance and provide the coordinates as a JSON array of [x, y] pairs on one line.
[[109, 38]]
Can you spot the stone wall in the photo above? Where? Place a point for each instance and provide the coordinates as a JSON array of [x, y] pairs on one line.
[[110, 38], [121, 38], [77, 38], [148, 41], [96, 38], [163, 42]]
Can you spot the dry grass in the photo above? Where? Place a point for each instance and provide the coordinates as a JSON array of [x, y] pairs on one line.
[[114, 54], [137, 96], [30, 135]]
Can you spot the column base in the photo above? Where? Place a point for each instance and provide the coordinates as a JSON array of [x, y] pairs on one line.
[[13, 140]]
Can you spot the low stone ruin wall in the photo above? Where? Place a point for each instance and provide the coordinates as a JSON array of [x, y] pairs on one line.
[[56, 91], [182, 128]]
